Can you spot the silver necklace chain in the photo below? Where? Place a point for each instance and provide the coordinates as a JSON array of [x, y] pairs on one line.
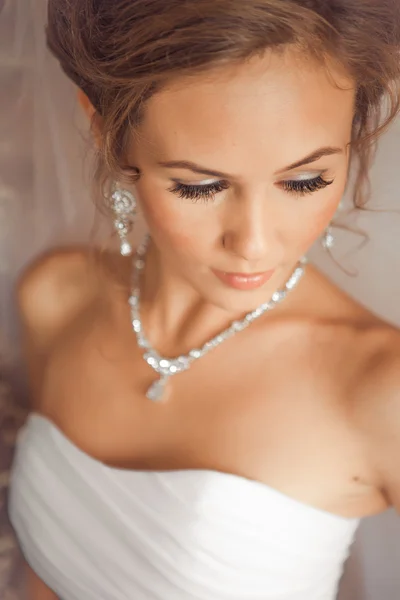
[[166, 367]]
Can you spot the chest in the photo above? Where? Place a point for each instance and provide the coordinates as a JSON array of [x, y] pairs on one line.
[[272, 412]]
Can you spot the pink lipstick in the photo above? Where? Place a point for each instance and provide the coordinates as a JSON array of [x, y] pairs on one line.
[[244, 281]]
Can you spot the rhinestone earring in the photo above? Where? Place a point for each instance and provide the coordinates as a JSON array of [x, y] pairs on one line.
[[328, 239], [123, 206]]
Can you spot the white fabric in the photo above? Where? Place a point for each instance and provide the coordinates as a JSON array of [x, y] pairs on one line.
[[93, 532]]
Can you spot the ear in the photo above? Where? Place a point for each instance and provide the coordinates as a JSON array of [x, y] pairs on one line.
[[92, 115]]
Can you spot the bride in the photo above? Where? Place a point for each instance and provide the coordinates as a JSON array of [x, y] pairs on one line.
[[211, 416]]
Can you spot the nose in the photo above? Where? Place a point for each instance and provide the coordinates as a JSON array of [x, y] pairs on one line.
[[250, 235]]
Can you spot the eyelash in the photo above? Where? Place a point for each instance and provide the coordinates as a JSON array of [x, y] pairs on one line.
[[206, 193], [199, 192]]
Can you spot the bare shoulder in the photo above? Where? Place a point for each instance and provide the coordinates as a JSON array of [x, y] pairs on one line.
[[381, 367], [361, 353], [53, 289], [63, 282], [361, 347], [378, 346], [54, 292], [372, 345], [341, 323], [376, 408]]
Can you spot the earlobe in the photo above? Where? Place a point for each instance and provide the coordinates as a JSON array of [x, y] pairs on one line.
[[92, 115]]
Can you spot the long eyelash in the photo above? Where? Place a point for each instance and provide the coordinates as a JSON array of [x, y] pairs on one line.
[[205, 193], [306, 186], [198, 192]]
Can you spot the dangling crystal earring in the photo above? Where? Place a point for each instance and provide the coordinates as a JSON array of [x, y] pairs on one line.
[[123, 205], [328, 239]]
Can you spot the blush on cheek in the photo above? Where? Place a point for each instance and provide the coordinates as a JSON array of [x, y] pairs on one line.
[[157, 212], [167, 227], [315, 227], [158, 217]]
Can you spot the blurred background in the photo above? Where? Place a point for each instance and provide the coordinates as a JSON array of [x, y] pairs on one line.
[[45, 174]]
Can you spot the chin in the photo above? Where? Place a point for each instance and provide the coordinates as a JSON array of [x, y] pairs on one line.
[[236, 301]]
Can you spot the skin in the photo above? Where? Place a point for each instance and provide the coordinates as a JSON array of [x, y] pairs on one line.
[[250, 122], [305, 400]]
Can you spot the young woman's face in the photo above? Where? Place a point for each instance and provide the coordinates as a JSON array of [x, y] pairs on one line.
[[241, 171]]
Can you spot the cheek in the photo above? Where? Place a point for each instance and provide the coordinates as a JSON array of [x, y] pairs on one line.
[[321, 220], [176, 223], [314, 221]]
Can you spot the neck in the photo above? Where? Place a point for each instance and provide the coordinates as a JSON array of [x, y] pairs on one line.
[[175, 316]]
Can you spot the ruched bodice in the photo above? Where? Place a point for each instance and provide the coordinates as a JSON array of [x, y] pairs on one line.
[[93, 532]]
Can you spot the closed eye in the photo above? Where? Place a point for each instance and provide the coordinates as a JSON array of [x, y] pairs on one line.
[[199, 192], [206, 192], [305, 186]]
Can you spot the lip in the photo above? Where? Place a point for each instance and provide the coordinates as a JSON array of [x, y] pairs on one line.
[[244, 281]]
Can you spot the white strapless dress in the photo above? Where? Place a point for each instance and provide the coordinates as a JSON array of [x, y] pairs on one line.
[[93, 532]]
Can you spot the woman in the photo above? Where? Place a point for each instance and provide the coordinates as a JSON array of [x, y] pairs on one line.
[[240, 467]]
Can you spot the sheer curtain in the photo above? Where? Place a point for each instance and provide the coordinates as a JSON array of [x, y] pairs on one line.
[[45, 201]]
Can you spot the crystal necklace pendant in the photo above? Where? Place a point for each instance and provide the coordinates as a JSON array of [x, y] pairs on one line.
[[166, 367], [156, 391]]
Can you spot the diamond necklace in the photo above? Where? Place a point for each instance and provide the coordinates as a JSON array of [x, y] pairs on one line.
[[166, 367]]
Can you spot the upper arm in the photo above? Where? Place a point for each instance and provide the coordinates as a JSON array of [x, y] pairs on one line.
[[378, 416], [50, 294], [36, 589]]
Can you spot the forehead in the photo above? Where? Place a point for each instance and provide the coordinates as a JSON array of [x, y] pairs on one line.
[[271, 108]]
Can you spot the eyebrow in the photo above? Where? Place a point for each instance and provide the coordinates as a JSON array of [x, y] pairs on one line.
[[195, 168]]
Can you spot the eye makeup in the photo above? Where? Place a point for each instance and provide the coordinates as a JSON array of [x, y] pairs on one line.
[[209, 189]]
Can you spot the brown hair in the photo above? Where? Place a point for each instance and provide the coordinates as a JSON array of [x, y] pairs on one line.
[[121, 52]]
